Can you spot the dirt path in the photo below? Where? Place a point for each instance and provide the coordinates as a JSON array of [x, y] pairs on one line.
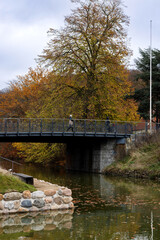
[[38, 184], [42, 185]]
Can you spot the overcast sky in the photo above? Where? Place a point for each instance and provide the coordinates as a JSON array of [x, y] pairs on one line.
[[24, 25]]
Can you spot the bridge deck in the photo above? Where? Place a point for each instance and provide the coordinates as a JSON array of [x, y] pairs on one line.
[[26, 130]]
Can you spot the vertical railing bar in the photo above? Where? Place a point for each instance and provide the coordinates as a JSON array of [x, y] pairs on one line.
[[146, 126], [29, 127], [106, 128], [84, 127], [95, 126], [52, 127], [5, 124], [41, 126], [63, 128], [18, 127], [74, 127], [12, 166], [116, 128], [125, 129]]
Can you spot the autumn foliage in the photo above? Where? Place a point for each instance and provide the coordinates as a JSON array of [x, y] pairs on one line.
[[84, 73]]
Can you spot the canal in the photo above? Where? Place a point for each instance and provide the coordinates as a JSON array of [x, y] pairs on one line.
[[105, 208]]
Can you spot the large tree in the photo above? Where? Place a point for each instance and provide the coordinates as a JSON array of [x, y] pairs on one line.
[[89, 55], [142, 95]]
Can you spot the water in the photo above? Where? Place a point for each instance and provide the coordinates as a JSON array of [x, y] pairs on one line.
[[106, 209]]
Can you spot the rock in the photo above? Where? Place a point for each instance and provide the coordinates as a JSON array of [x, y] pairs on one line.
[[26, 194], [67, 199], [58, 200], [1, 206], [13, 211], [64, 206], [12, 196], [21, 209], [64, 191], [46, 207], [16, 204], [48, 200], [9, 205], [54, 206], [26, 203], [49, 192], [71, 205], [1, 197], [33, 209], [39, 203], [38, 194]]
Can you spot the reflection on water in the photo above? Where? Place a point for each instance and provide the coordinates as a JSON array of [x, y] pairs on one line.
[[106, 208], [27, 222]]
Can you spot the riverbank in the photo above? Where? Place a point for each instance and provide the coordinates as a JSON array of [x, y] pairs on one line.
[[19, 197], [38, 184], [142, 161]]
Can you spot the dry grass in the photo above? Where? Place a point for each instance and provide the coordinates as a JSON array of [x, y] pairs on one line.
[[143, 157]]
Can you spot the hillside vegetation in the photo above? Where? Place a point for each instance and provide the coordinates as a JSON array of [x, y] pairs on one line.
[[10, 183], [143, 159]]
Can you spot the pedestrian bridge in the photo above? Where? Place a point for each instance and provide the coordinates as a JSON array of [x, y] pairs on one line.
[[91, 146], [55, 130]]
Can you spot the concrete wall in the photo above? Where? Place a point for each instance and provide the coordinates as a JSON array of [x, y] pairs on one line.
[[93, 156]]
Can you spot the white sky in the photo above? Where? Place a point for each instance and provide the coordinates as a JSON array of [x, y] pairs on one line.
[[24, 25]]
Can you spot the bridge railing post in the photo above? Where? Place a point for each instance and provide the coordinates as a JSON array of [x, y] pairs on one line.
[[29, 127], [146, 126], [5, 126], [95, 127], [74, 126], [18, 127], [63, 128], [126, 129], [84, 127], [115, 131], [52, 127], [135, 132], [41, 126]]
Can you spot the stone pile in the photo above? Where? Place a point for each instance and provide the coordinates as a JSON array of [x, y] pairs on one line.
[[15, 202], [37, 221]]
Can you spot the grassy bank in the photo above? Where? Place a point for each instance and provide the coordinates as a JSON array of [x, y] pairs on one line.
[[143, 160], [10, 183]]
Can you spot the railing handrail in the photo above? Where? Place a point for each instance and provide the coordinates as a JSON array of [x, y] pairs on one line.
[[10, 160], [76, 119], [83, 126]]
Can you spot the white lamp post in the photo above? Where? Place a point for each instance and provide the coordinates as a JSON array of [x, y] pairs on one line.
[[150, 76]]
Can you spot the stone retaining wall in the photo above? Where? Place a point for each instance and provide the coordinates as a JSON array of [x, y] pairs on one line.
[[15, 202]]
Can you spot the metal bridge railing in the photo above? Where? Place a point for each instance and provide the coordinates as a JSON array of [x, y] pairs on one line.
[[47, 125]]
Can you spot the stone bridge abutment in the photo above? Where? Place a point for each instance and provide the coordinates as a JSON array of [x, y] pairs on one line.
[[94, 156]]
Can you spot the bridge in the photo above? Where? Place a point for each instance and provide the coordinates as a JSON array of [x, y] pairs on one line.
[[91, 144], [55, 130]]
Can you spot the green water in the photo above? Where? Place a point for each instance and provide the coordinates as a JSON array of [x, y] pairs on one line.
[[106, 208]]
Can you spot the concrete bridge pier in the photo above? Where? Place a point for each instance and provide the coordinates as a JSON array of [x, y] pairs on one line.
[[94, 156]]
